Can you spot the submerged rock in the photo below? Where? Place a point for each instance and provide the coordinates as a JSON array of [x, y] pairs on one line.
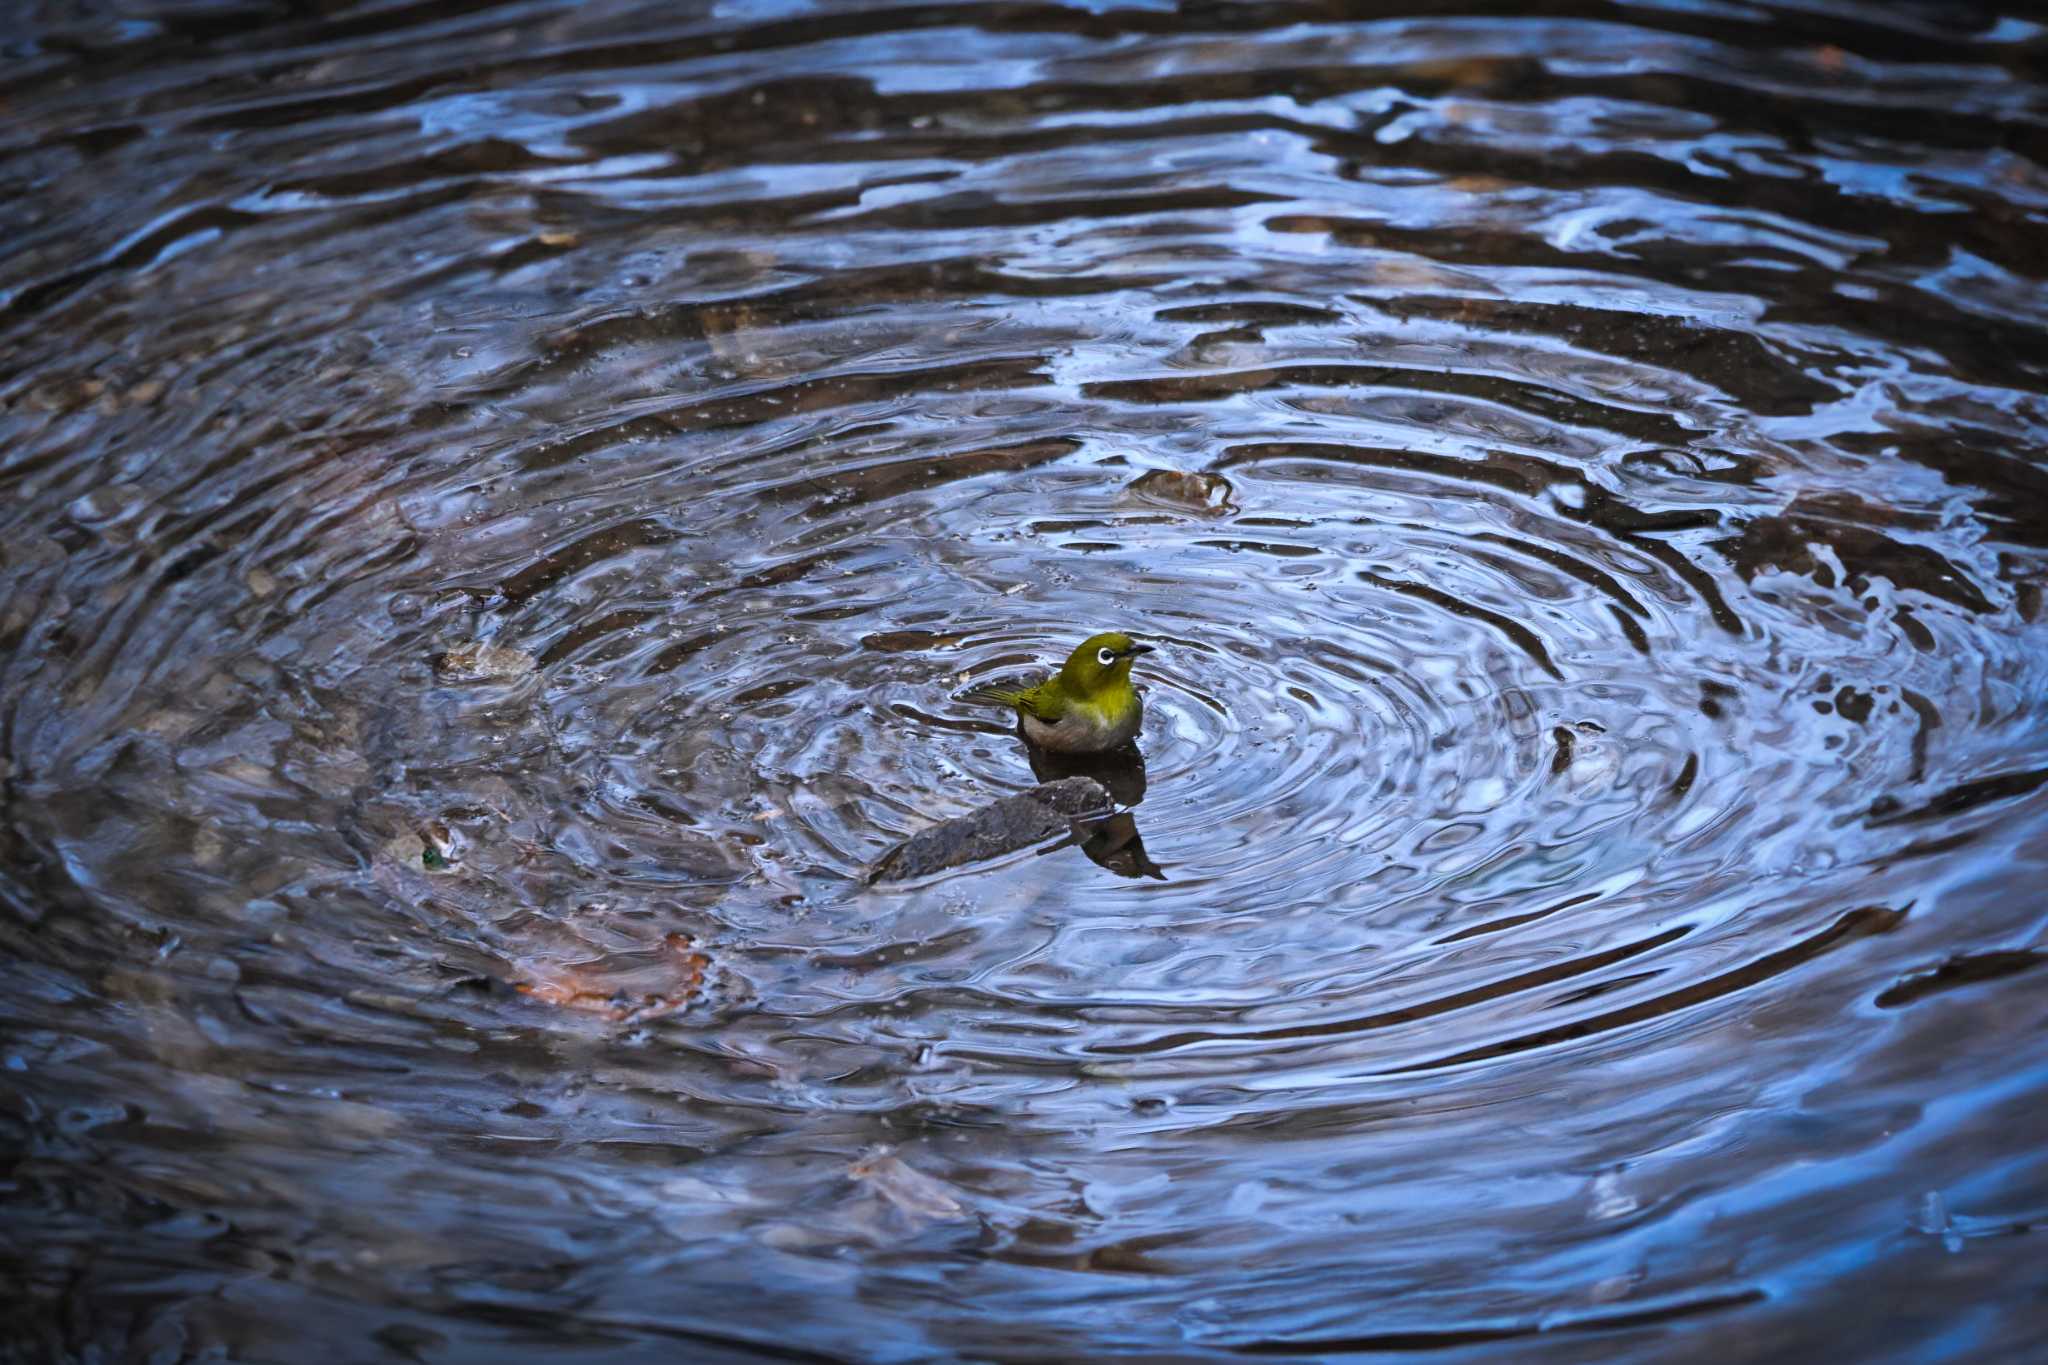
[[1203, 493], [478, 662], [1000, 827], [1790, 543]]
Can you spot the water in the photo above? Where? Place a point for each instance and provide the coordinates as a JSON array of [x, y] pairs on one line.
[[501, 502]]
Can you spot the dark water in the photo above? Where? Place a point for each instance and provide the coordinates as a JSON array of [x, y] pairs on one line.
[[500, 501]]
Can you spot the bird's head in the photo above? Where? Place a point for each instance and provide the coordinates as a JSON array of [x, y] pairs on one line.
[[1101, 663]]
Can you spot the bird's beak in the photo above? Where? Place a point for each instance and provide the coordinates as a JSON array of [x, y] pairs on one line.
[[1140, 649]]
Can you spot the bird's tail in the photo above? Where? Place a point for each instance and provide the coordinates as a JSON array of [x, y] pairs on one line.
[[993, 696]]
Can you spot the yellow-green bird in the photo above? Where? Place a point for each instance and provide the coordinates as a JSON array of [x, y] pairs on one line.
[[1086, 707]]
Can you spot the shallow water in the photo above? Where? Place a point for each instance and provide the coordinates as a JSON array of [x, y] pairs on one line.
[[502, 502]]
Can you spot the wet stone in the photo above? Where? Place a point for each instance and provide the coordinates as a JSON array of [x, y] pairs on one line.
[[997, 828]]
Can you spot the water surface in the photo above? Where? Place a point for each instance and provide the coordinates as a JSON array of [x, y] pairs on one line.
[[500, 504]]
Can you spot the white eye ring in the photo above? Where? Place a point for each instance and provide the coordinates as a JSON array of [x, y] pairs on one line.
[[1105, 656]]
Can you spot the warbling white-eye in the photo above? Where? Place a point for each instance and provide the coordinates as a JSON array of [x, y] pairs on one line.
[[1086, 707]]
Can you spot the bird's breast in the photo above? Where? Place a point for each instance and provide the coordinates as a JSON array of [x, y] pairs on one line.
[[1084, 729]]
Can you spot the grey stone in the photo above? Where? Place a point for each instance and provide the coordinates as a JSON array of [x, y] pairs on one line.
[[999, 827]]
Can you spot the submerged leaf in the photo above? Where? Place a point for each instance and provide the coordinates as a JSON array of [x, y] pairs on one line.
[[916, 1194]]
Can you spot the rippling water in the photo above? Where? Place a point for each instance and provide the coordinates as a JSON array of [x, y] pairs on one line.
[[502, 502]]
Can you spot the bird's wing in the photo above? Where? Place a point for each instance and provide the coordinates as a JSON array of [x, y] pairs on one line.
[[1042, 701]]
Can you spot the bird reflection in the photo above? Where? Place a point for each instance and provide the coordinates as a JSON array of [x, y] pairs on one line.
[[1110, 841]]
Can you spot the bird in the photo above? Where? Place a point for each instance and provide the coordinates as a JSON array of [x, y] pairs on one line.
[[1089, 706]]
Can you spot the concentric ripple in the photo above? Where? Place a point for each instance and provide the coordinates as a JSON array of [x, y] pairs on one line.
[[506, 504]]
